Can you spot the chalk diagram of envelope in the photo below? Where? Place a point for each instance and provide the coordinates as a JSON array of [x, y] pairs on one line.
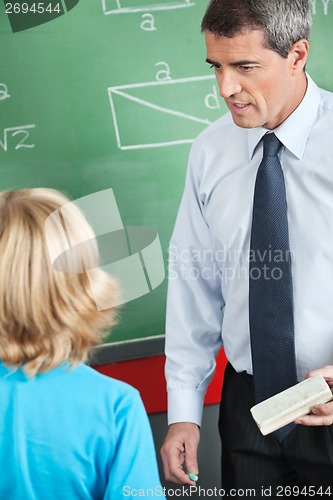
[[132, 6], [132, 254], [161, 113]]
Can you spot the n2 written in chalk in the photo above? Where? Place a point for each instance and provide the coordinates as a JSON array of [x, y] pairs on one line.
[[17, 138]]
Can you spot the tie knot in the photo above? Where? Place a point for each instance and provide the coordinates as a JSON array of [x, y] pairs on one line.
[[271, 145]]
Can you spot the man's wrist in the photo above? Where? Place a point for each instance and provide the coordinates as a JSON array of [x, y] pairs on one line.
[[185, 406]]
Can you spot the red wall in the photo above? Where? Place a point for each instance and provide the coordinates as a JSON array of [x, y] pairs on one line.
[[147, 375]]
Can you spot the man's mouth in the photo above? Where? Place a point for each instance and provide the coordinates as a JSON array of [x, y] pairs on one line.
[[239, 108]]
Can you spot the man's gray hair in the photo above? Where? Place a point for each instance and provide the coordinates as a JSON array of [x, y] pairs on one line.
[[283, 22]]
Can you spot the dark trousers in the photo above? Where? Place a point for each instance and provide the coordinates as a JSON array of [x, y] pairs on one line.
[[251, 460]]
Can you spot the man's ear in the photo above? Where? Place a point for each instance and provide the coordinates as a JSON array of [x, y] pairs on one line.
[[298, 55]]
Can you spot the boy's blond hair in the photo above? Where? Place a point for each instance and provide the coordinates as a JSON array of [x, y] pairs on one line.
[[47, 317]]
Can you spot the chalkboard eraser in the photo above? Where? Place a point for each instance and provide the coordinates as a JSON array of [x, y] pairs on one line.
[[295, 402]]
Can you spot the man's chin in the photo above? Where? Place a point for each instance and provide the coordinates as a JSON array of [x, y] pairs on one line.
[[244, 122]]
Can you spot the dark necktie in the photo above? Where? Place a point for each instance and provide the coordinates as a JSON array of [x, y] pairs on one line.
[[270, 289]]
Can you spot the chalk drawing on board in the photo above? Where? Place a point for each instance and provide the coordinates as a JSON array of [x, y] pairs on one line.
[[127, 7], [148, 115], [4, 94], [324, 4], [21, 136]]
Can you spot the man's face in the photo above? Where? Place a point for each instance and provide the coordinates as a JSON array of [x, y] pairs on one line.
[[259, 86]]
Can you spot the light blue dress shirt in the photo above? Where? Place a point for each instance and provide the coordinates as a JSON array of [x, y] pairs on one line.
[[209, 250], [73, 435]]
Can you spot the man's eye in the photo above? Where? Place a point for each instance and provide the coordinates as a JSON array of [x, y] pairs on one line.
[[246, 68]]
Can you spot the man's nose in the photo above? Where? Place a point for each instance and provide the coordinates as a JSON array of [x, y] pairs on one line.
[[228, 85]]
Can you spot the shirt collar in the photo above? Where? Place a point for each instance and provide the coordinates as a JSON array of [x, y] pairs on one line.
[[294, 131]]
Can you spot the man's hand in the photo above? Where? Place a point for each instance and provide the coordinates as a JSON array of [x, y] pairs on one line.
[[320, 414], [180, 447]]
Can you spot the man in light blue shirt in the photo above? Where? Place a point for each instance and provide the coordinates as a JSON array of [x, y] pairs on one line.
[[258, 49]]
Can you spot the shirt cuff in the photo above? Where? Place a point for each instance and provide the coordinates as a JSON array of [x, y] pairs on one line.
[[185, 406]]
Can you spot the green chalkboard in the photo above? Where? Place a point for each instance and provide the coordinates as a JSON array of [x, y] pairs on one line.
[[99, 94]]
